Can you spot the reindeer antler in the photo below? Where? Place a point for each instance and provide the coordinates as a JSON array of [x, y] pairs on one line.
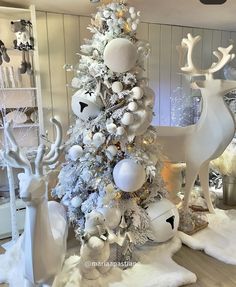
[[223, 55], [54, 152], [14, 157]]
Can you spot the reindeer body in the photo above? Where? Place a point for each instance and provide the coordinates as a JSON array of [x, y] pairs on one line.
[[45, 232], [198, 144], [44, 243]]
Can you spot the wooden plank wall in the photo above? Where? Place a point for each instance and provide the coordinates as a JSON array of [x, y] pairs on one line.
[[59, 39]]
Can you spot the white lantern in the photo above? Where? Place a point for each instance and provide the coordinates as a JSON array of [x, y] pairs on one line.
[[164, 217], [83, 107], [112, 216], [75, 152], [128, 175], [120, 55]]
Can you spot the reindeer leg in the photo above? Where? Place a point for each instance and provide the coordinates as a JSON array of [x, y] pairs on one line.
[[191, 174], [27, 283], [204, 179]]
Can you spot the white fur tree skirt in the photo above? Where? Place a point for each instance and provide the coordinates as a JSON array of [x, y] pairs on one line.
[[154, 269], [218, 239]]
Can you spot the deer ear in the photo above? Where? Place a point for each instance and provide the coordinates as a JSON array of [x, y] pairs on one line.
[[21, 176], [197, 85]]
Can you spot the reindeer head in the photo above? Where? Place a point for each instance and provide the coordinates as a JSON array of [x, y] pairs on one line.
[[32, 182], [222, 54]]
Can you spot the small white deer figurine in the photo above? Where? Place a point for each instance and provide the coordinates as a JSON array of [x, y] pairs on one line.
[[198, 144], [45, 231]]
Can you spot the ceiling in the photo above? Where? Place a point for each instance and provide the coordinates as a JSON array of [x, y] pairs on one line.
[[176, 12]]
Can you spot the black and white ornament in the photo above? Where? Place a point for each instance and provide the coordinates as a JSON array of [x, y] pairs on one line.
[[84, 106], [164, 218]]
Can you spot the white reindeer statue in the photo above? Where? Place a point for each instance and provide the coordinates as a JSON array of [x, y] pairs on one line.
[[198, 144], [45, 231]]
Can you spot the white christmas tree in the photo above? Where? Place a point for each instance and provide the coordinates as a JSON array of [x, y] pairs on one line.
[[113, 164]]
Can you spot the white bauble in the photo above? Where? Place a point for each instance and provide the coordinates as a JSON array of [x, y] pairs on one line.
[[106, 14], [76, 201], [137, 93], [134, 26], [65, 200], [84, 108], [98, 139], [164, 218], [112, 216], [111, 128], [112, 149], [133, 106], [131, 10], [120, 131], [75, 83], [117, 87], [128, 175], [110, 22], [143, 115], [75, 152], [127, 119], [87, 139], [120, 55]]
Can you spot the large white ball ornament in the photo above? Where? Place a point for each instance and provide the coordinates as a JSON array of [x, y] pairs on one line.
[[137, 93], [120, 55], [84, 108], [117, 87], [112, 216], [75, 152], [127, 119], [164, 217], [128, 175]]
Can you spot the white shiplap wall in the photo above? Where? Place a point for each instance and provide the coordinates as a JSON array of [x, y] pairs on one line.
[[59, 39]]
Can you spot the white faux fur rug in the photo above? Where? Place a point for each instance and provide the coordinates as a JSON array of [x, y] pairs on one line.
[[154, 269], [218, 239]]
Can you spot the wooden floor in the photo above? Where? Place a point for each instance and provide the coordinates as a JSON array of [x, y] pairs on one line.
[[210, 272]]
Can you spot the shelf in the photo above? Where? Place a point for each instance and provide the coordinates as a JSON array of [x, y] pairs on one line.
[[17, 50], [14, 13], [20, 126], [18, 89]]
